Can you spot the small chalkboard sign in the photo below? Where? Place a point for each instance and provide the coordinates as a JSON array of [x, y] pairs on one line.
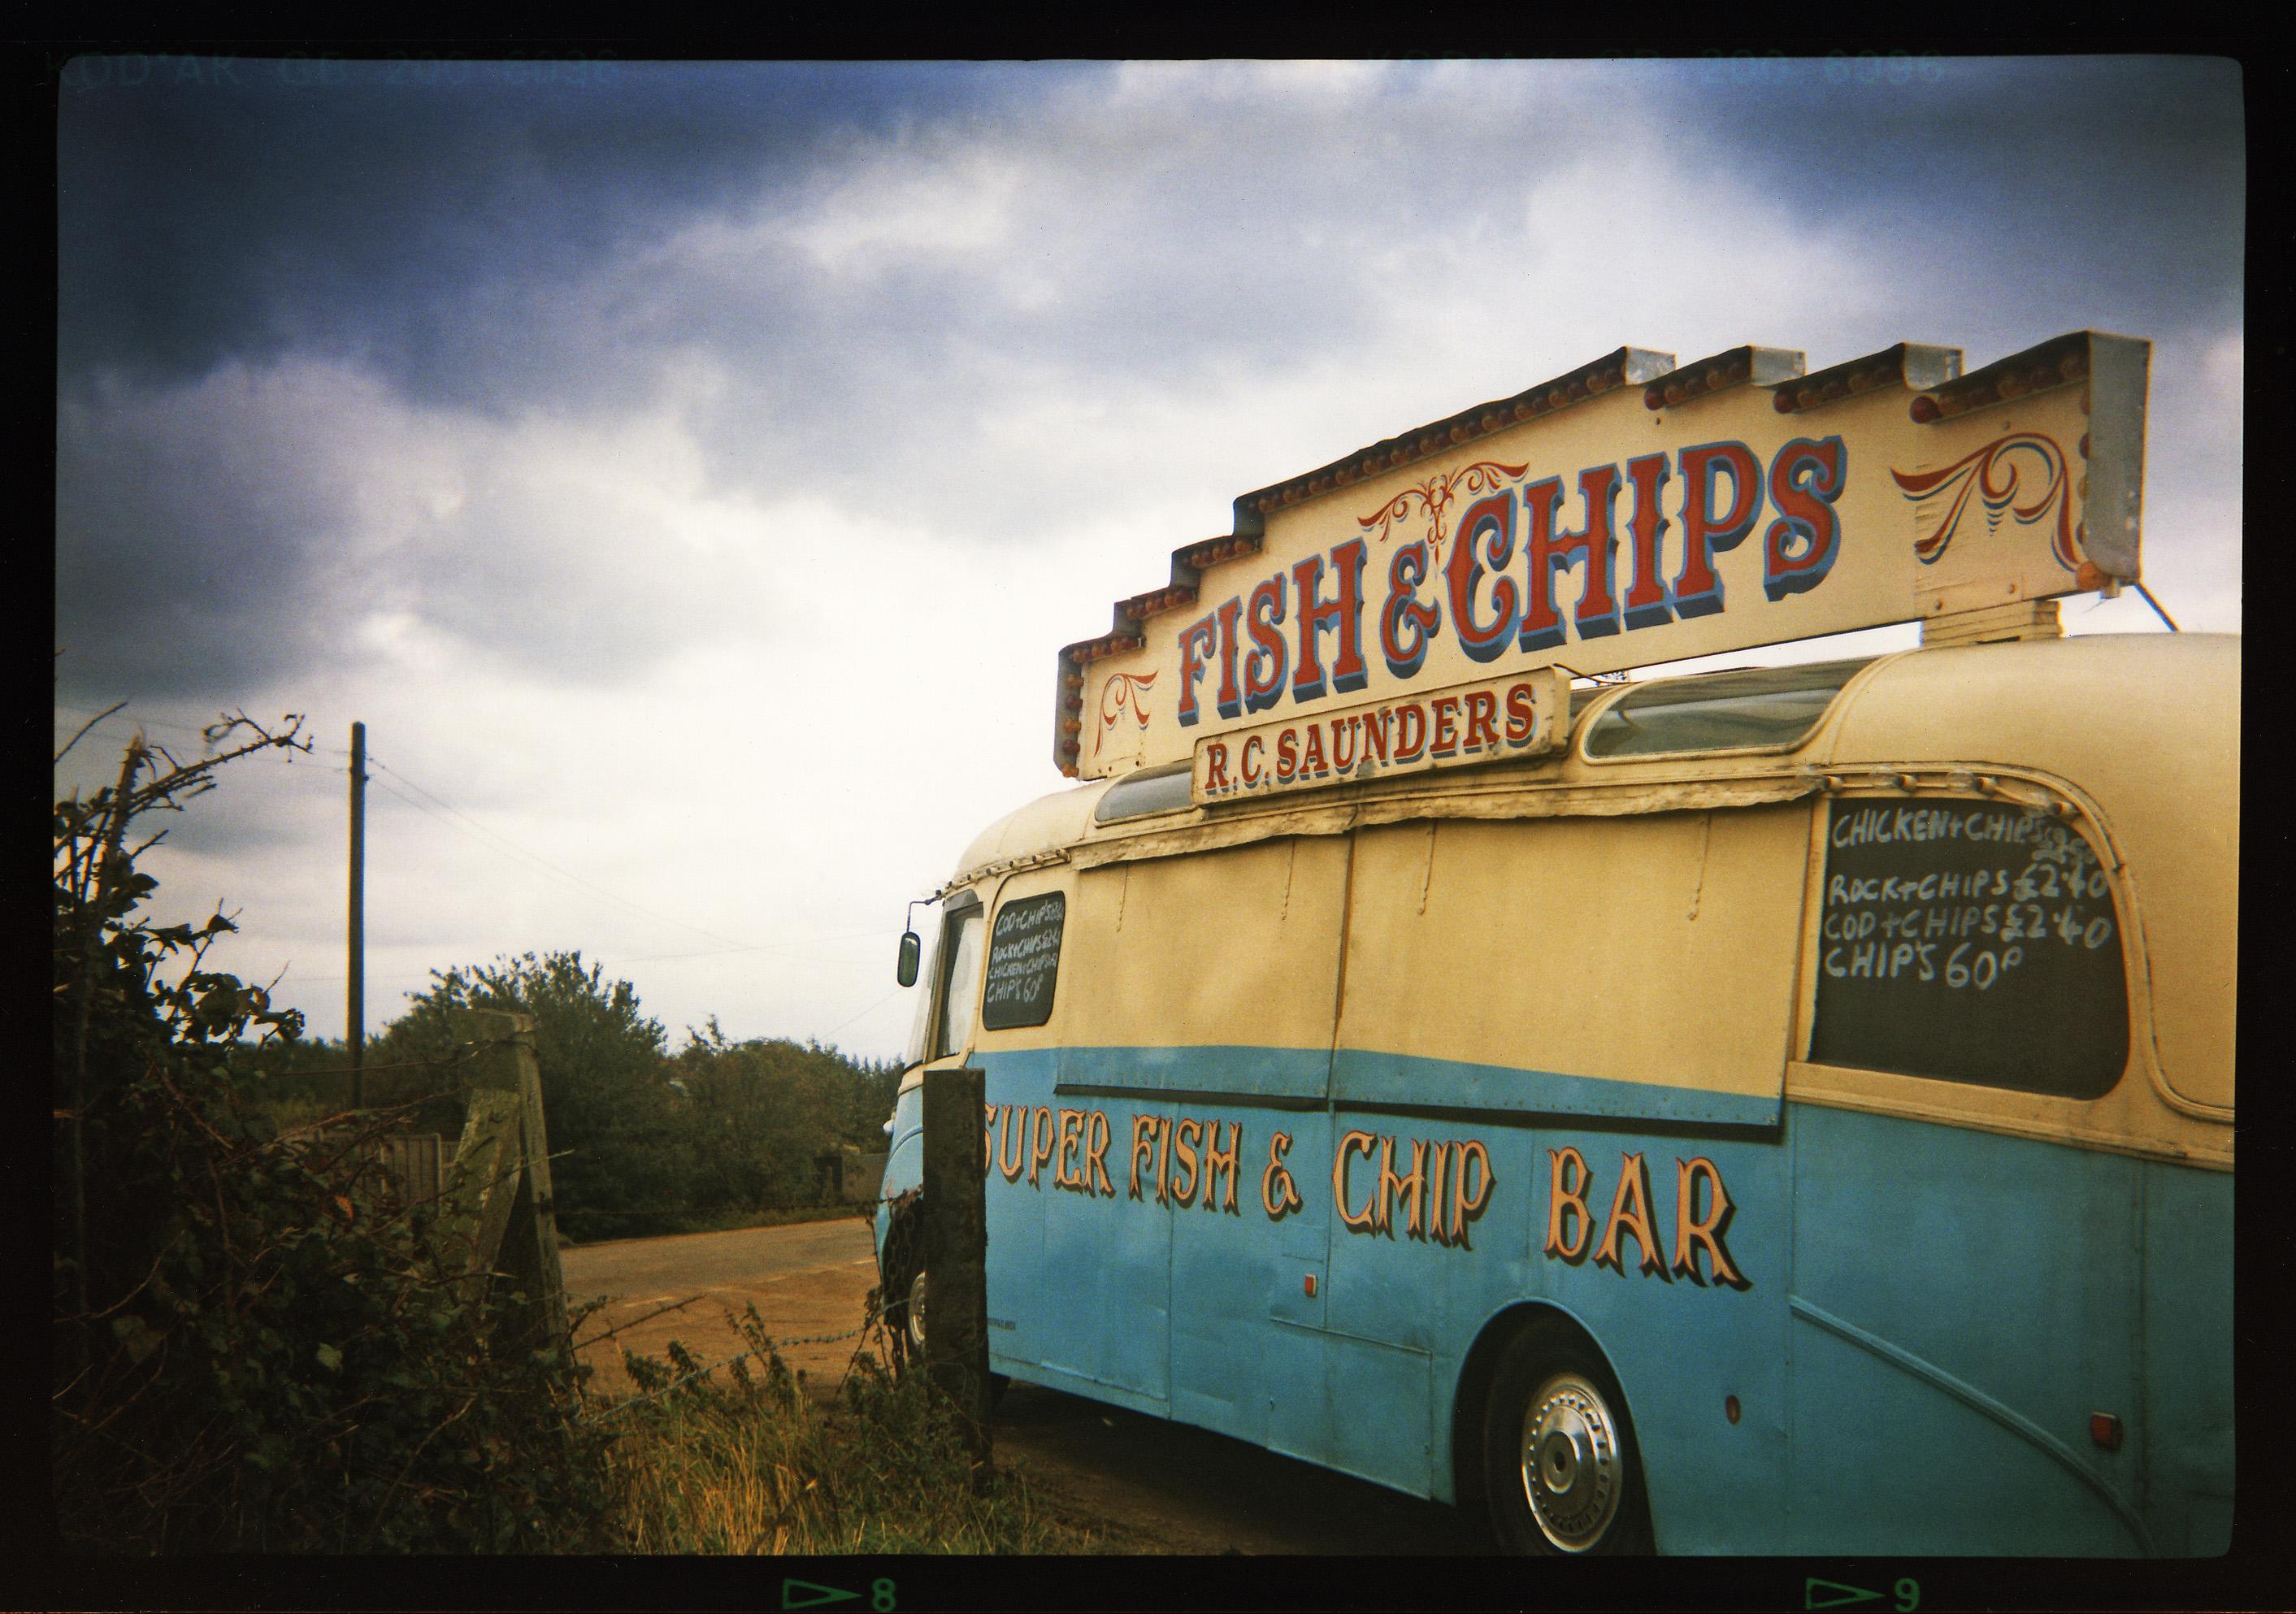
[[1971, 941], [1024, 962]]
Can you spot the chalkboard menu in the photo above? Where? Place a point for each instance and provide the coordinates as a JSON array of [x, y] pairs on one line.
[[1024, 962], [1972, 941]]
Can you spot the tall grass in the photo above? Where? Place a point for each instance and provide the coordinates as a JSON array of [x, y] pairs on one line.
[[751, 1464]]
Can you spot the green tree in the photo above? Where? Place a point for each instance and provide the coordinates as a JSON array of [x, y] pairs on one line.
[[612, 1116], [770, 1107], [255, 1347]]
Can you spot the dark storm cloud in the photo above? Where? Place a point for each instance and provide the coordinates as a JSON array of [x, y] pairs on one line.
[[182, 565], [2097, 183], [390, 211], [946, 293]]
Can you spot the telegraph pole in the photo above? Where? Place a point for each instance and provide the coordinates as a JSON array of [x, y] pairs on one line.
[[355, 1034]]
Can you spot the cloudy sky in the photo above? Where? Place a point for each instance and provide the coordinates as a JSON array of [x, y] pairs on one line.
[[688, 473]]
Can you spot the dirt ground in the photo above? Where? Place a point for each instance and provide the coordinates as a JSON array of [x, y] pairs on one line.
[[807, 1280], [1141, 1483]]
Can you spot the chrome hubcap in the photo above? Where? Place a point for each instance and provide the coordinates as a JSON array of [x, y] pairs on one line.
[[1573, 1468], [917, 1310]]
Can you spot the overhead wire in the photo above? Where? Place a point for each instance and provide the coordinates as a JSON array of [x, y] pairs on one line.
[[504, 843], [455, 818], [865, 1013]]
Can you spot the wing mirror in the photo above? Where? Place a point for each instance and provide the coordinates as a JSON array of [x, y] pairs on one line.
[[906, 971]]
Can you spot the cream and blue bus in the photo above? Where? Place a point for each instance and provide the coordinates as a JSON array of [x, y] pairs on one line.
[[1780, 1109]]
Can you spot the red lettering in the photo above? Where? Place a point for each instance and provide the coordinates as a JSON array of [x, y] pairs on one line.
[[1698, 592], [1410, 731], [1446, 714], [1231, 702], [1647, 604], [1198, 641], [1494, 515], [1342, 615], [1375, 734], [1248, 765], [1405, 625], [1805, 480], [1216, 765], [1523, 714], [1597, 612], [1264, 668], [1482, 720], [1287, 754]]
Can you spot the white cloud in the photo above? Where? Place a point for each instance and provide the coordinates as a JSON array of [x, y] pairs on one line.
[[747, 616]]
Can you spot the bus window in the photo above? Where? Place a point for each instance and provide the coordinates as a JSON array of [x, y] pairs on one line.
[[1968, 940], [1754, 708], [1024, 962], [960, 949], [1155, 790]]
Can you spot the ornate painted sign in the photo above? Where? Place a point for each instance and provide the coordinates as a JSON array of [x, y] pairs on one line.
[[1628, 514], [1380, 1184], [1520, 716]]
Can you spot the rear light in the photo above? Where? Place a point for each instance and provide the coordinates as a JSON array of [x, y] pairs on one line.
[[2104, 1428]]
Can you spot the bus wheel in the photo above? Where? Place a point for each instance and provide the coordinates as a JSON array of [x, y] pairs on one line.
[[1560, 1461], [904, 1292]]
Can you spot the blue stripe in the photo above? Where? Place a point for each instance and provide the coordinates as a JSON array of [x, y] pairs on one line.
[[1360, 1077], [1363, 1077], [1215, 1067]]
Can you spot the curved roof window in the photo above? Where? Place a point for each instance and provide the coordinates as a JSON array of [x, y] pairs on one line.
[[1749, 708], [1152, 789]]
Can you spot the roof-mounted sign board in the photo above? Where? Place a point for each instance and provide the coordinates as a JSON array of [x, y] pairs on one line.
[[1629, 513]]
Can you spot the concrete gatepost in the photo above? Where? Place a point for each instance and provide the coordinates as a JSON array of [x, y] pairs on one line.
[[956, 1249]]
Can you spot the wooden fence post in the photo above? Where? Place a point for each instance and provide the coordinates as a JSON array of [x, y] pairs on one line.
[[955, 1251], [499, 1188]]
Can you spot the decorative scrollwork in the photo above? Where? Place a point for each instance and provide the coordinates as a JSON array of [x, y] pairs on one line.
[[1122, 692], [1992, 473], [1434, 494]]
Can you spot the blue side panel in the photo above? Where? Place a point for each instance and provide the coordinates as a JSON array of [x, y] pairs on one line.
[[2188, 1350], [1016, 1222], [1962, 1303], [1083, 1274], [1678, 1345], [1233, 1273], [1682, 1342], [1918, 1323], [1363, 1077]]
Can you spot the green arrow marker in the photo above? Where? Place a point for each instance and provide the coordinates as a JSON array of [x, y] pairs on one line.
[[1837, 1594], [805, 1594]]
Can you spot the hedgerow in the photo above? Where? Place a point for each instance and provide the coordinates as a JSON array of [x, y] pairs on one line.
[[255, 1347]]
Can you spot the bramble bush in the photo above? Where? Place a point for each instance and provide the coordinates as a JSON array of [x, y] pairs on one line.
[[722, 1133], [755, 1464], [255, 1347]]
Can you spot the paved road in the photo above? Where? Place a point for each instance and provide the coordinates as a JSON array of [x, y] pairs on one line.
[[1148, 1485]]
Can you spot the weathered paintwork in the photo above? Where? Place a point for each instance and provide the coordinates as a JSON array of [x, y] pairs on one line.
[[1931, 1286], [1628, 514]]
